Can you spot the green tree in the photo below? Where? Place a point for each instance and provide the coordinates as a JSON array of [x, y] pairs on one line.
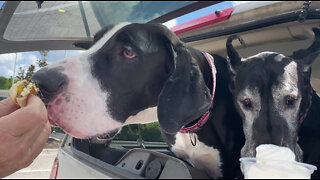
[[21, 74], [5, 83], [149, 132], [29, 73], [43, 61], [9, 83]]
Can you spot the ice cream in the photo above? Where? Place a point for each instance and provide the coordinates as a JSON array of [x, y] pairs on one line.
[[275, 162]]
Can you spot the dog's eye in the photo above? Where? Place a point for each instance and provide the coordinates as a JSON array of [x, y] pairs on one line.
[[290, 100], [247, 103], [128, 52]]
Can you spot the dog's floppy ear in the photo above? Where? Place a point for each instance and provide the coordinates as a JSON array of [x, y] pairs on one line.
[[306, 57], [185, 96], [86, 44], [83, 44]]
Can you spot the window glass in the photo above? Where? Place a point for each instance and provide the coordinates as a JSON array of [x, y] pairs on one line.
[[1, 4], [17, 65], [76, 19]]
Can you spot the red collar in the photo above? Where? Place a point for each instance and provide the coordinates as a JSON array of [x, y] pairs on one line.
[[206, 115], [303, 116]]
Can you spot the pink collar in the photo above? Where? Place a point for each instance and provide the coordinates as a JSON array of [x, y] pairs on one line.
[[206, 115], [303, 116]]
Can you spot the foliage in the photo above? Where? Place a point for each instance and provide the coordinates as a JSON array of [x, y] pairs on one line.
[[23, 75], [30, 72], [149, 132], [5, 83], [43, 62], [56, 129]]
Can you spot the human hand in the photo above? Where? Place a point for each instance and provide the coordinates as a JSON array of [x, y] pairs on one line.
[[23, 133]]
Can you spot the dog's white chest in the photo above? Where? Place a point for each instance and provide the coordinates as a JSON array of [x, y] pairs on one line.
[[200, 156]]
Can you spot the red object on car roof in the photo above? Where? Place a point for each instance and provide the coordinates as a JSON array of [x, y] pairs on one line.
[[212, 18]]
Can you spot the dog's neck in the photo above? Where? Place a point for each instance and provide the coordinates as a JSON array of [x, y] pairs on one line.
[[206, 64], [204, 67], [303, 114]]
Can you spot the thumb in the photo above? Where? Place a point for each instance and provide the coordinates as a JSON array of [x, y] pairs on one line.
[[35, 103], [7, 106], [34, 100]]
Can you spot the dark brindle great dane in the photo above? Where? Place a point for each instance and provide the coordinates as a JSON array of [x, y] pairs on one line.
[[274, 97], [141, 73]]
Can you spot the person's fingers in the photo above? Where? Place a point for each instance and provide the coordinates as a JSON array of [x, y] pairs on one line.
[[36, 146], [38, 135], [26, 118], [35, 102], [25, 131], [41, 140], [19, 153], [7, 106]]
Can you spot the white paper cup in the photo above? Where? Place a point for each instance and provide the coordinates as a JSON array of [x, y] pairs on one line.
[[275, 169]]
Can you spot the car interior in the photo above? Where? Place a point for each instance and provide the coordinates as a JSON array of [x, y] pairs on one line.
[[272, 28], [284, 37]]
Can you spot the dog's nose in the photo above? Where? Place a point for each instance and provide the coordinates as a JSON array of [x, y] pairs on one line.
[[49, 81]]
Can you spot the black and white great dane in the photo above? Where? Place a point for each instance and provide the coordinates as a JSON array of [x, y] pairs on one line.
[[274, 97], [142, 73]]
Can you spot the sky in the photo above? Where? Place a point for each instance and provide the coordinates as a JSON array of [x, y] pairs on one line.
[[25, 59]]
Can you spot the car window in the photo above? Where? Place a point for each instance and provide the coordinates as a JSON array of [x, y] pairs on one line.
[[80, 19], [1, 4], [22, 65]]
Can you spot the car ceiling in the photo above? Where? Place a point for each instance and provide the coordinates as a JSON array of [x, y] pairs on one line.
[[58, 24]]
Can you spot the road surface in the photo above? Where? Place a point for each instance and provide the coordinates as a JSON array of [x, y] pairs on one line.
[[39, 169]]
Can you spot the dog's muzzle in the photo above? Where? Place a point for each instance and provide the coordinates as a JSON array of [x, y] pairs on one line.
[[50, 82]]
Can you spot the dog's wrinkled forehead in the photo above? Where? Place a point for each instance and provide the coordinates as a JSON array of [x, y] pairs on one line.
[[140, 35], [262, 69]]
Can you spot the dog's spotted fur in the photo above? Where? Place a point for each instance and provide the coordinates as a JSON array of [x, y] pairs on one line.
[[165, 80], [272, 93]]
